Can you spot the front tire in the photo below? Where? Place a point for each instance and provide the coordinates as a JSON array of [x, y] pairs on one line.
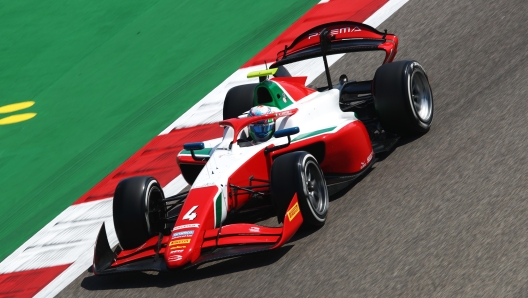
[[403, 97], [299, 172], [137, 210]]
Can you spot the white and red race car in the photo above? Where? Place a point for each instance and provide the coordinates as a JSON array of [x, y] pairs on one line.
[[324, 138]]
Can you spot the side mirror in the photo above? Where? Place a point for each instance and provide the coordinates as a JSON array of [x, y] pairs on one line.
[[286, 132], [194, 146], [282, 133]]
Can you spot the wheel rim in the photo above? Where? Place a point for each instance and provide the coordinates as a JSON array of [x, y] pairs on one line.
[[315, 188], [154, 209], [422, 98]]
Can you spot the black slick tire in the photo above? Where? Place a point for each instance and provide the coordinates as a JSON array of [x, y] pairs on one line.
[[299, 172], [137, 210], [403, 97]]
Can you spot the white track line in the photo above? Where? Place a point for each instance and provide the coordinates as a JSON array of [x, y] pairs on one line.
[[85, 254], [61, 240], [69, 238], [384, 12]]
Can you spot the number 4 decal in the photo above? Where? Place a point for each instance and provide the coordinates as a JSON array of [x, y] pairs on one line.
[[190, 215]]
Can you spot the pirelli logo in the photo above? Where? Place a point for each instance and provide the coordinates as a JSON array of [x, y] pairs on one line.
[[293, 211], [181, 241]]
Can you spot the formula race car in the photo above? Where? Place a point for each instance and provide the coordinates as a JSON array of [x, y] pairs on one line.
[[284, 146]]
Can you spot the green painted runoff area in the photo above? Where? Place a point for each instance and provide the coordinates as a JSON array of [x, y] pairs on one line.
[[106, 77]]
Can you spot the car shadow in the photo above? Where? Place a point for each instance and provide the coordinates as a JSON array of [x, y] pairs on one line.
[[378, 158], [337, 194], [401, 142], [134, 280]]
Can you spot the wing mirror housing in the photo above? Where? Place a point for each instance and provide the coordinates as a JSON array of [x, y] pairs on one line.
[[287, 132], [194, 146]]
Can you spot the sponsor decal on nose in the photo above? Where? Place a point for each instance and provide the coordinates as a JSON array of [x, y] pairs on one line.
[[182, 234], [181, 241], [189, 226], [174, 258]]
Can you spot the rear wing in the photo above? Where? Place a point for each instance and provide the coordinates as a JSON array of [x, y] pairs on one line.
[[341, 37]]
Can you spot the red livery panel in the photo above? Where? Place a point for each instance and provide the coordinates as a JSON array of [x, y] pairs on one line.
[[198, 209]]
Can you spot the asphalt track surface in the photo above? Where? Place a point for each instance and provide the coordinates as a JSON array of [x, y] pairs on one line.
[[443, 215]]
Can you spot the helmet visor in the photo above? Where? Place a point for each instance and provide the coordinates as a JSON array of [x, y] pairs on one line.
[[262, 130]]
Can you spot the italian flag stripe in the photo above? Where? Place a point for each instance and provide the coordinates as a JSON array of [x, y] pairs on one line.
[[218, 210], [313, 133]]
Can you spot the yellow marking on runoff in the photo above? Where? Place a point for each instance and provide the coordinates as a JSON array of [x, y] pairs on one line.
[[16, 107], [17, 118], [293, 211], [262, 73]]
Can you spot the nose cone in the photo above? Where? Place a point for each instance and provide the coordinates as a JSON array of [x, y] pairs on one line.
[[197, 215], [177, 257], [180, 247]]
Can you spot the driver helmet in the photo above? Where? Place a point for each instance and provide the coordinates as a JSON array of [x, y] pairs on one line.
[[262, 131]]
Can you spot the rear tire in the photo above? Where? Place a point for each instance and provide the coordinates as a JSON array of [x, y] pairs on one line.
[[403, 97], [137, 210], [299, 172], [238, 100]]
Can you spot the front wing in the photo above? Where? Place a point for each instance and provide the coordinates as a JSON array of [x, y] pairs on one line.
[[222, 243]]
